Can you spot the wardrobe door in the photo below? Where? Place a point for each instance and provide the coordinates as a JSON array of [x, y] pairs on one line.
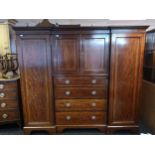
[[65, 53], [125, 76], [95, 53], [35, 69]]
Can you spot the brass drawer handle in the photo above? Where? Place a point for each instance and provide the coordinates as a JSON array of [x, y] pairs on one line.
[[67, 81], [3, 105], [94, 81], [68, 118], [21, 35], [94, 92], [1, 86], [93, 104], [67, 105], [4, 116], [2, 95], [67, 93], [93, 117]]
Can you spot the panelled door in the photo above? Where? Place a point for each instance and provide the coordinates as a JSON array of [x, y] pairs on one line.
[[65, 53], [125, 77], [95, 53], [35, 68]]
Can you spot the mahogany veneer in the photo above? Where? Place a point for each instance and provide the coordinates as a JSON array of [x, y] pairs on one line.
[[9, 102], [80, 77], [81, 104]]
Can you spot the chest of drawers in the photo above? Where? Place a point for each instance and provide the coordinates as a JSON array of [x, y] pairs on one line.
[[80, 101], [9, 102]]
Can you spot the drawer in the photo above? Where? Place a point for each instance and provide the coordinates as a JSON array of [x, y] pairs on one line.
[[80, 118], [8, 95], [8, 86], [78, 92], [78, 81], [80, 104], [9, 116], [8, 104]]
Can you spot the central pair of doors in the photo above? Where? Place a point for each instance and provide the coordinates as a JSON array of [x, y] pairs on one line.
[[80, 53]]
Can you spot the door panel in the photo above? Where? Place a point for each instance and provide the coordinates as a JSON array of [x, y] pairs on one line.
[[125, 77], [65, 53], [95, 53], [35, 67]]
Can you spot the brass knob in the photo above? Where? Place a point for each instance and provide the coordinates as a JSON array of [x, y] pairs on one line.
[[93, 104], [67, 104], [93, 117], [93, 81], [2, 95], [4, 116], [93, 92], [67, 81], [68, 118], [3, 105], [67, 93], [1, 86]]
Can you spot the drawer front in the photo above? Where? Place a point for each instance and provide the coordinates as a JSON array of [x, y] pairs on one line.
[[80, 118], [8, 104], [9, 116], [77, 81], [78, 92], [8, 95], [8, 85], [80, 104]]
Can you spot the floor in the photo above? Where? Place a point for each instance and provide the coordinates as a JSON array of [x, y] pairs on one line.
[[14, 129]]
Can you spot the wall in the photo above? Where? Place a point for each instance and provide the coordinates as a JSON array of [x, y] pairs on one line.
[[4, 39], [87, 22]]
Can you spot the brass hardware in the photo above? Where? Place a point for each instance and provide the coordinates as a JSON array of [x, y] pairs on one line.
[[9, 65], [93, 117], [67, 104], [67, 81], [1, 86], [4, 116], [93, 104], [2, 95], [67, 93], [68, 118], [3, 105], [93, 92], [93, 81]]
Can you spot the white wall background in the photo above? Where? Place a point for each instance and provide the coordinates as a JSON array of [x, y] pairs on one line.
[[87, 22]]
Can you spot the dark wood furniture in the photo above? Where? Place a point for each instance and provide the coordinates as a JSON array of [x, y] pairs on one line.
[[9, 102], [149, 59], [127, 50], [148, 106], [36, 82], [80, 77], [148, 89]]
